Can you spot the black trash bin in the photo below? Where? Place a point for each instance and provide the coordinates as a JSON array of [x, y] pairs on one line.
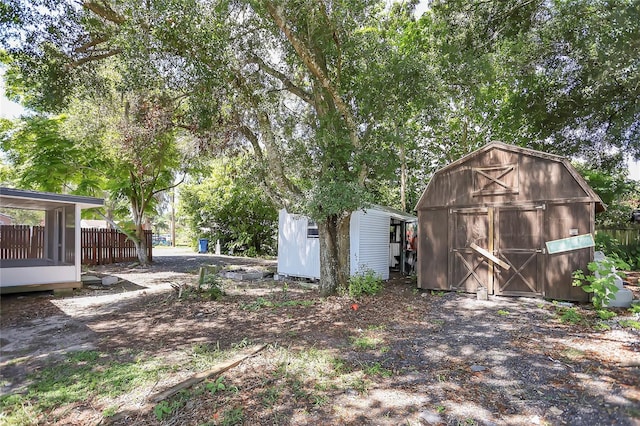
[[203, 246]]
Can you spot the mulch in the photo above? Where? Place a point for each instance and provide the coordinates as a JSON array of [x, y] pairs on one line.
[[452, 358]]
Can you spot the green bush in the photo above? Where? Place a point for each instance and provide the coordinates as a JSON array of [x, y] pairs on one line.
[[365, 282], [212, 286], [630, 253], [601, 281]]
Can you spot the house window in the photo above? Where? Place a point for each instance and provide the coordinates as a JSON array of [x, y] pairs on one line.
[[312, 229]]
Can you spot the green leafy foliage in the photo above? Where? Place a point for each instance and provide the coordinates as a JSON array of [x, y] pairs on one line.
[[601, 281], [212, 285], [162, 410], [570, 315], [227, 204], [364, 282], [216, 385], [617, 192], [628, 253], [605, 314], [541, 74], [42, 157], [630, 323], [340, 105]]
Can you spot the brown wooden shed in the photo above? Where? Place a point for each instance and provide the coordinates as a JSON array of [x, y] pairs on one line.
[[484, 220]]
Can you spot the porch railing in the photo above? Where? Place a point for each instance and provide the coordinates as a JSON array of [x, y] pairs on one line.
[[98, 246]]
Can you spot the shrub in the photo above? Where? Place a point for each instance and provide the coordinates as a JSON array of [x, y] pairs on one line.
[[629, 253], [212, 286], [601, 281], [365, 282]]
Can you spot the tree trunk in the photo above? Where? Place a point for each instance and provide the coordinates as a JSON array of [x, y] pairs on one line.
[[139, 239], [141, 245], [403, 178], [334, 253]]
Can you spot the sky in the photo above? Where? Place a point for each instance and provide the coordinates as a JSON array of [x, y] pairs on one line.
[[8, 109]]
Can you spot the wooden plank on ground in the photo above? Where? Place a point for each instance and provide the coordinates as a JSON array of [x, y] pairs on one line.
[[197, 378]]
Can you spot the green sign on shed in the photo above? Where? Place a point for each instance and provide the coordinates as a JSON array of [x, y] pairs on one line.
[[571, 243]]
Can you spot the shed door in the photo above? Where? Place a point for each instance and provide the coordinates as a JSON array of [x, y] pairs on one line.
[[467, 269], [518, 242], [513, 235]]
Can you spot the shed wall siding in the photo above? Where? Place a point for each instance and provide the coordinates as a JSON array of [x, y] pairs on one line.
[[560, 220], [538, 179], [372, 249], [298, 255], [529, 198], [433, 249]]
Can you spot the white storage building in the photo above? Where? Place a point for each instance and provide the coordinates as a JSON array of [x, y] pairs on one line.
[[378, 242]]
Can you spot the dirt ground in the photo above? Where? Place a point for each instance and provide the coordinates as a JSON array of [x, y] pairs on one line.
[[437, 358]]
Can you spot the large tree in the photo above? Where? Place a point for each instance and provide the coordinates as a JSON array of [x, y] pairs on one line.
[[42, 157], [286, 79], [128, 120], [559, 76]]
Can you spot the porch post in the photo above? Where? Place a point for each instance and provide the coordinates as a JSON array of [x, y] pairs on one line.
[[78, 242]]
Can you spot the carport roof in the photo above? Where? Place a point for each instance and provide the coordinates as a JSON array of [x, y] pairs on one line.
[[36, 200]]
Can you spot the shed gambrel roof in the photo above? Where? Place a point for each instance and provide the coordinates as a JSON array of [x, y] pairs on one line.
[[589, 193]]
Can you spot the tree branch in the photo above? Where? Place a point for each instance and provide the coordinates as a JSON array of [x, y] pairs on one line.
[[288, 85], [104, 11], [307, 58], [91, 58], [92, 43]]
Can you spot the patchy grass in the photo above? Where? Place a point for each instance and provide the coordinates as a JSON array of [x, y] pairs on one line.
[[365, 343], [629, 323], [328, 364], [376, 369], [80, 376], [261, 302]]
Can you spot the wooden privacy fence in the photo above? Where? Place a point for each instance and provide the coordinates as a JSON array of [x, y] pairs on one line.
[[98, 246], [21, 242], [625, 236], [105, 246]]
